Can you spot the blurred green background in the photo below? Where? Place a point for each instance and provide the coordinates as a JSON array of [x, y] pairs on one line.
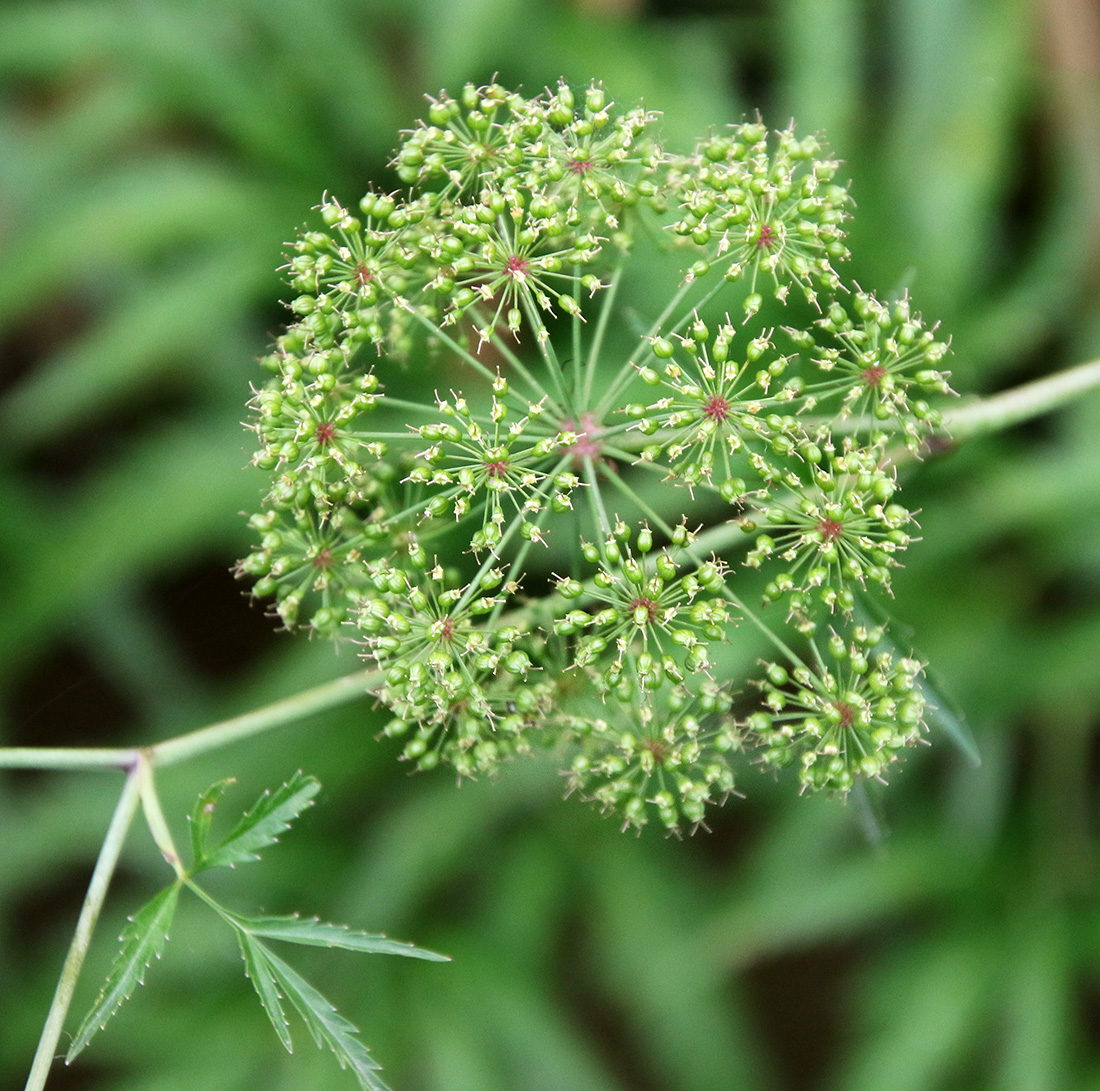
[[154, 156]]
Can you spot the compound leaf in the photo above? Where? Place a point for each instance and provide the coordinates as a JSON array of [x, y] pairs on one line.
[[142, 940], [261, 826]]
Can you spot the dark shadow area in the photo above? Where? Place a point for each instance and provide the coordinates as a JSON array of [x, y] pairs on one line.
[[220, 632]]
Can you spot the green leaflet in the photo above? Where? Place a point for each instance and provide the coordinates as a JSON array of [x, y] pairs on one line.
[[312, 932], [202, 814], [273, 980], [142, 941], [271, 977], [259, 828], [258, 970]]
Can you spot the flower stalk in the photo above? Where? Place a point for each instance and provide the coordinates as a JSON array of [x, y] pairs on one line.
[[124, 813]]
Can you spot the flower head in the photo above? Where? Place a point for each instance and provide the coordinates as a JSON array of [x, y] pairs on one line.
[[718, 407], [759, 211], [838, 532], [647, 621], [882, 361], [669, 756], [842, 722], [503, 275]]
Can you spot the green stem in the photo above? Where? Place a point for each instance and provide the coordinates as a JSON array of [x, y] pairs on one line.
[[290, 709], [575, 366], [85, 925], [418, 508], [400, 437], [67, 758], [592, 363], [631, 494], [158, 825], [515, 568], [545, 347], [1022, 403], [452, 344], [599, 513], [764, 628], [615, 451], [202, 895], [296, 707], [626, 372], [499, 343], [474, 585], [389, 402]]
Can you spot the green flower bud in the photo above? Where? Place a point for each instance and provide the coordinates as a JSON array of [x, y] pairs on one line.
[[777, 675]]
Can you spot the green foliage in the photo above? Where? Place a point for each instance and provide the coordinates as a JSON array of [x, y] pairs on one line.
[[145, 936], [316, 933]]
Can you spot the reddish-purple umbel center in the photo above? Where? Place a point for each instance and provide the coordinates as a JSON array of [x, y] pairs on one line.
[[323, 560], [497, 468], [830, 530], [324, 432], [716, 408], [874, 375], [447, 630], [657, 749], [646, 604], [586, 430], [579, 166], [766, 239], [847, 713], [516, 266], [363, 275]]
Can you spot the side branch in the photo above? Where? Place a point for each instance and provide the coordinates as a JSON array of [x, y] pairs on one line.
[[1022, 402], [57, 757], [330, 695]]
